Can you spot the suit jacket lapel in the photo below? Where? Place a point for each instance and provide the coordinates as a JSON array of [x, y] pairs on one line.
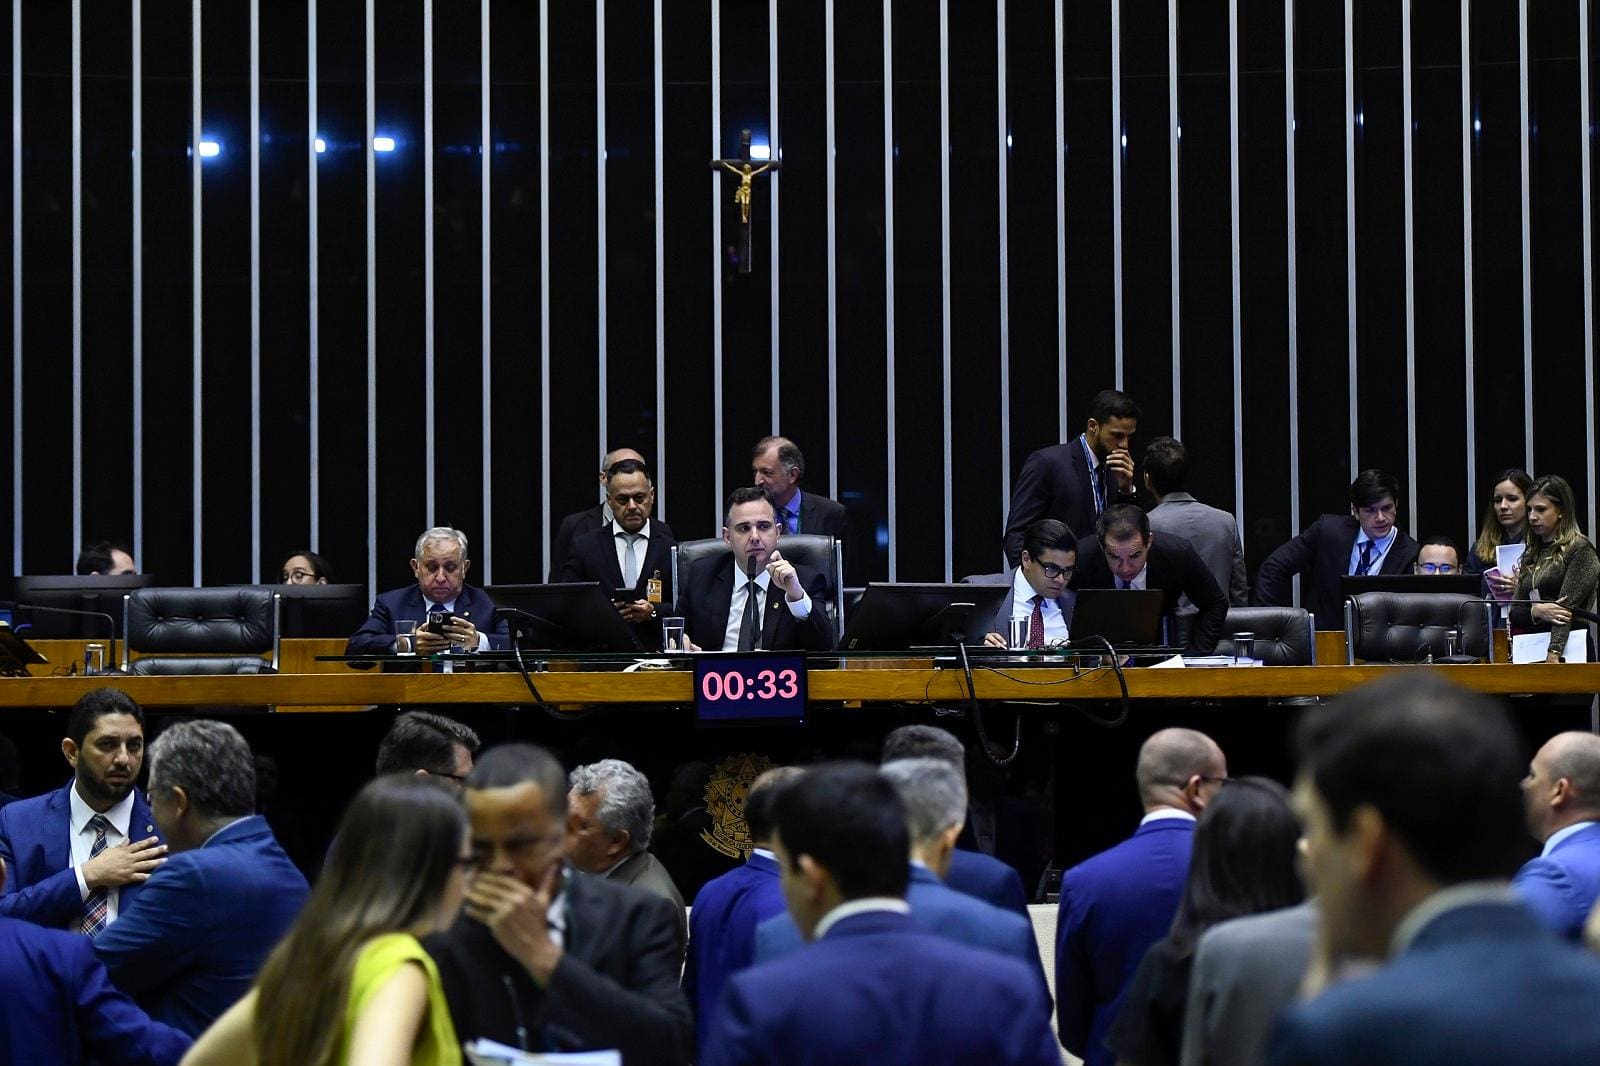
[[808, 513], [57, 830], [774, 612], [612, 569], [721, 600]]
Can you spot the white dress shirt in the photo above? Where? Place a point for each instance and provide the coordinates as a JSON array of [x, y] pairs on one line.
[[864, 905], [1141, 580], [801, 608], [639, 549], [1161, 814], [82, 837], [1022, 594], [1380, 548]]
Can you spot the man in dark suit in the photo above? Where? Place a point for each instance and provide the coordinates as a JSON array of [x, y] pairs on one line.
[[1038, 593], [1407, 788], [632, 551], [440, 565], [777, 465], [77, 857], [1562, 796], [1074, 481], [1118, 903], [1213, 533], [190, 945], [725, 608], [875, 986], [1126, 555], [975, 873], [590, 518], [727, 910], [57, 1005], [1368, 540], [610, 815], [545, 958]]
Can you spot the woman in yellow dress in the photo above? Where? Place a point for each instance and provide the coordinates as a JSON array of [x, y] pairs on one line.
[[350, 982]]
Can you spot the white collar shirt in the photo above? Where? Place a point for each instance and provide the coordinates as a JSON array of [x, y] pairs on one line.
[[1022, 594], [81, 838]]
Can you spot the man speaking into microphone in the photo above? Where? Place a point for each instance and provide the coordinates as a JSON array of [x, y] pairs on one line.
[[753, 599]]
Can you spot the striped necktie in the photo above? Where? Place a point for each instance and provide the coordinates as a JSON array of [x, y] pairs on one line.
[[96, 906]]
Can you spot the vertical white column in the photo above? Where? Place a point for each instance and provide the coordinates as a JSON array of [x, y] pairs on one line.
[[16, 286], [313, 318], [544, 280], [1588, 260], [831, 152], [1291, 201], [429, 443], [888, 275], [716, 253], [601, 267], [948, 450], [136, 268], [1061, 223], [485, 206], [1234, 223], [661, 265], [1350, 121], [197, 501], [255, 290], [1411, 259], [77, 276], [1469, 370], [1119, 145], [1525, 136], [1003, 154], [372, 299], [1174, 141], [774, 143]]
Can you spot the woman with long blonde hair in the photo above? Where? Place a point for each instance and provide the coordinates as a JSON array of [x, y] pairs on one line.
[[350, 983], [1559, 565]]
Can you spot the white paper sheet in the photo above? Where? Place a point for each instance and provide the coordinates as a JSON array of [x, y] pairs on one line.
[[1533, 647], [483, 1052], [1506, 556]]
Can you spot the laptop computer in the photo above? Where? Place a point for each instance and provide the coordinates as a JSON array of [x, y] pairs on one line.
[[1125, 617], [1458, 584]]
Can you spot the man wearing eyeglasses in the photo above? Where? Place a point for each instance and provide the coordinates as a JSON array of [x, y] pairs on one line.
[[1438, 555], [1039, 593], [753, 599]]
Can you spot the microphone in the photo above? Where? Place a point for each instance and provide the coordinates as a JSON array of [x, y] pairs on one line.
[[111, 623]]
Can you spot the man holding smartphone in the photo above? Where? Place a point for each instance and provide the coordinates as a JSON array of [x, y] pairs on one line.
[[449, 612], [629, 555]]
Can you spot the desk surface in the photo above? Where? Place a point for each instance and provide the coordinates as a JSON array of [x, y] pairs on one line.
[[335, 686]]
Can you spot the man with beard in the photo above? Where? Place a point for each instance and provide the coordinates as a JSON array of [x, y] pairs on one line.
[[76, 857]]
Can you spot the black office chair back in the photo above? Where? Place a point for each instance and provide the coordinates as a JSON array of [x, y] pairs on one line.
[[1283, 635], [1409, 627], [201, 630]]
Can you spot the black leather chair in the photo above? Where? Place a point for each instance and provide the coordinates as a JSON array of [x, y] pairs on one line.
[[200, 631], [1408, 627], [812, 550], [1283, 635]]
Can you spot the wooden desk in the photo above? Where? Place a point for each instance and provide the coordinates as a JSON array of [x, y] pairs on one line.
[[330, 686]]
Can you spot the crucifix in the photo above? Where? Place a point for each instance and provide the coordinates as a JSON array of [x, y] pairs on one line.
[[745, 170]]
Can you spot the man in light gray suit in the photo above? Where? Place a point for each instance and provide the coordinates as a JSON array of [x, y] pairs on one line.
[[1039, 592], [1245, 972], [1214, 534]]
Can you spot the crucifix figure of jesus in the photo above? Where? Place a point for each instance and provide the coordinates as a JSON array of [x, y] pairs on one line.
[[745, 170]]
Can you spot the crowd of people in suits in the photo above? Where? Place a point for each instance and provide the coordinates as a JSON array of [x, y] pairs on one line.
[[1381, 912]]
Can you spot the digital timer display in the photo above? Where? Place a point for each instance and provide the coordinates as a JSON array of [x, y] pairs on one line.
[[750, 686]]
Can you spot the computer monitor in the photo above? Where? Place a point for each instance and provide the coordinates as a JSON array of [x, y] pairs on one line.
[[1125, 617], [921, 615], [570, 616], [94, 593], [1458, 584], [321, 610]]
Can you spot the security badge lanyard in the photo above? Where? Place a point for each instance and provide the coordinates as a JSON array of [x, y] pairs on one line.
[[652, 588]]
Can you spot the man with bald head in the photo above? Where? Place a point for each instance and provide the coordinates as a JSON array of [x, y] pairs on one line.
[[1561, 796], [590, 519], [1118, 903]]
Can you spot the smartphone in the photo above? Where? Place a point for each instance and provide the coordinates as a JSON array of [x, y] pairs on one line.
[[438, 620], [623, 596]]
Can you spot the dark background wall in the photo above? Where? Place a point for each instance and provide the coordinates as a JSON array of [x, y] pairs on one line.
[[886, 445]]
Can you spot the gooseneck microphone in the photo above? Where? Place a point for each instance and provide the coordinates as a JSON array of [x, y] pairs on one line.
[[111, 623]]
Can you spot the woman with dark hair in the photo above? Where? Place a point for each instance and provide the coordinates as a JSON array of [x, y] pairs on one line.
[[1559, 565], [305, 567], [1505, 521], [350, 983], [1243, 862]]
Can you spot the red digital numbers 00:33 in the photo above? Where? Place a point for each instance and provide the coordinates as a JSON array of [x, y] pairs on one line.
[[766, 685]]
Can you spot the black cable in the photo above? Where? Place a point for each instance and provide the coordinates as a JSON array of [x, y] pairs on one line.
[[1122, 684], [527, 679], [977, 716]]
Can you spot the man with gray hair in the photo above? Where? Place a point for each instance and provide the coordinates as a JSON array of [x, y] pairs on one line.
[[935, 798], [1118, 903], [1561, 796], [450, 614], [973, 872], [610, 812], [190, 944]]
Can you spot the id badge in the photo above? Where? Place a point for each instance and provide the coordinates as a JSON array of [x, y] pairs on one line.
[[652, 588]]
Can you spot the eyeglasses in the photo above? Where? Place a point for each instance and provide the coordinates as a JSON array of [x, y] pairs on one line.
[[1436, 568], [297, 577], [1052, 571]]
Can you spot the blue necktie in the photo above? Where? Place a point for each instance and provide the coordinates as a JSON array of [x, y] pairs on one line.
[[1365, 564]]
